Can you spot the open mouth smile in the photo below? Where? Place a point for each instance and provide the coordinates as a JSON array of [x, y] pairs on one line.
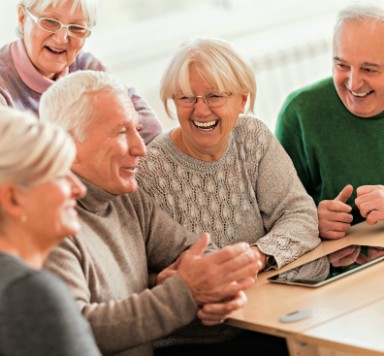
[[55, 50], [361, 95], [205, 126]]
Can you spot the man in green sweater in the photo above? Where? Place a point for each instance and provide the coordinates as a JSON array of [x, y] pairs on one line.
[[333, 130], [124, 233]]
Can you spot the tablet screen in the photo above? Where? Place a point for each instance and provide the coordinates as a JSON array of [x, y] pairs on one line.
[[336, 265]]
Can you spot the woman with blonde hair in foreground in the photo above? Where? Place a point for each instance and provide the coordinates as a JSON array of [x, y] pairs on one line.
[[38, 193]]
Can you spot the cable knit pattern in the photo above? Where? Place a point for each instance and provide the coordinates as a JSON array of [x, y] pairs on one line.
[[251, 194]]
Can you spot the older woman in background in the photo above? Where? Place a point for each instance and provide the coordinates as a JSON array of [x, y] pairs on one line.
[[53, 33], [224, 172], [38, 193]]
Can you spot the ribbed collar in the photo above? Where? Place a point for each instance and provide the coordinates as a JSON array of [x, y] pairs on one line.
[[28, 72], [96, 200], [194, 163]]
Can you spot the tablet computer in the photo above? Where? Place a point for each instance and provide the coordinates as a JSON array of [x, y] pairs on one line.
[[331, 267]]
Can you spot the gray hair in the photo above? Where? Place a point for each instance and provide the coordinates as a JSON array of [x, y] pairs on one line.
[[90, 8], [217, 62], [69, 101], [32, 152], [372, 11]]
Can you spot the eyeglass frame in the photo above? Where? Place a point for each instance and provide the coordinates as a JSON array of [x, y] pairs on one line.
[[203, 98], [37, 20]]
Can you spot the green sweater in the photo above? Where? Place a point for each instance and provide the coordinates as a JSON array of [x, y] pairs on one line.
[[330, 147]]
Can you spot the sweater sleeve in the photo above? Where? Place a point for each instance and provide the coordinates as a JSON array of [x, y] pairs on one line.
[[41, 318], [128, 322], [289, 213]]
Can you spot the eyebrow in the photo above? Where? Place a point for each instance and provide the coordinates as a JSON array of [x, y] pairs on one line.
[[364, 64]]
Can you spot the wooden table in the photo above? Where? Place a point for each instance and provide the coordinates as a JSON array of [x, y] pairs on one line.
[[347, 314]]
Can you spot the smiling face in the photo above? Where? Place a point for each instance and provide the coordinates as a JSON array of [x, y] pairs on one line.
[[358, 67], [51, 53], [109, 155], [204, 132], [54, 217]]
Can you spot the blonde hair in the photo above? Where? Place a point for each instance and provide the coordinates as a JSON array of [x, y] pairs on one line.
[[217, 62], [32, 152]]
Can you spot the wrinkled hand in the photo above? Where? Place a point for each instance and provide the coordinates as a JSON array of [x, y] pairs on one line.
[[370, 202], [334, 215], [219, 276], [263, 257], [216, 313]]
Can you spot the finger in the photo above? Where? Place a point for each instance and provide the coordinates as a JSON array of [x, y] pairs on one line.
[[333, 230], [240, 267], [230, 290], [366, 206], [331, 217], [344, 253], [345, 260], [364, 189], [327, 225], [198, 248], [230, 252], [345, 193], [212, 322], [227, 307], [332, 235], [361, 259], [374, 216], [216, 313], [332, 206]]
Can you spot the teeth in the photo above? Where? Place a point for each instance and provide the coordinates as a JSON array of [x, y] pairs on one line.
[[204, 124], [59, 51], [360, 95]]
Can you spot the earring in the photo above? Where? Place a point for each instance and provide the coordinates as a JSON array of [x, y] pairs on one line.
[[24, 219]]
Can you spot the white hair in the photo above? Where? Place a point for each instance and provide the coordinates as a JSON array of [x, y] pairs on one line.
[[32, 152], [372, 11], [90, 8], [69, 101], [217, 61]]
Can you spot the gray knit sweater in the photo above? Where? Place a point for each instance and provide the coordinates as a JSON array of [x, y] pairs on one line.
[[107, 264], [251, 194]]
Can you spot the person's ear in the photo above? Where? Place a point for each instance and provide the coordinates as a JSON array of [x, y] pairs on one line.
[[10, 200], [244, 98], [21, 17]]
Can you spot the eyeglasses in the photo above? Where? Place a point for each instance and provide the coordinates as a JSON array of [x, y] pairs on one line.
[[53, 26], [213, 100]]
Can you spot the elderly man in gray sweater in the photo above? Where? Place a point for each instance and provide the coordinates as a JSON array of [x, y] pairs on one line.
[[124, 234]]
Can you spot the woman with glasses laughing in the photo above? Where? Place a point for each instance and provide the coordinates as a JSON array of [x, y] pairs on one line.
[[52, 34], [223, 171]]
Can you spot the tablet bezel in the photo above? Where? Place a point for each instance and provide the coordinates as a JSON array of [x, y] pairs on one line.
[[315, 284]]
